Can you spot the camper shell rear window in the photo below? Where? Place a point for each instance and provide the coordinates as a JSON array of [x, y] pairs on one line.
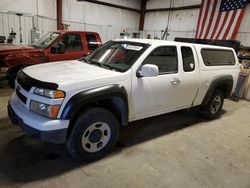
[[217, 57]]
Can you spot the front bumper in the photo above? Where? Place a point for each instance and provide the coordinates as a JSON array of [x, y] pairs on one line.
[[48, 130]]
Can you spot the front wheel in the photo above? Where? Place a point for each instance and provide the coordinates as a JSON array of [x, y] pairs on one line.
[[94, 135], [214, 106]]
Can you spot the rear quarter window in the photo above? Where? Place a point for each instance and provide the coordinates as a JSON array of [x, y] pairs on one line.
[[92, 41], [217, 57]]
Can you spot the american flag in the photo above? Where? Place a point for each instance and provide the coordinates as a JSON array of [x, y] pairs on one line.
[[220, 19]]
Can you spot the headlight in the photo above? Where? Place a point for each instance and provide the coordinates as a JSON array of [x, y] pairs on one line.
[[49, 93], [44, 109]]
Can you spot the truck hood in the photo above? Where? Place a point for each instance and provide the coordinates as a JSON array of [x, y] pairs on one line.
[[12, 48], [68, 72], [15, 55]]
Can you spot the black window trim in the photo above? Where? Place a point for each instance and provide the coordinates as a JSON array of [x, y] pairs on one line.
[[220, 64], [164, 73], [182, 59]]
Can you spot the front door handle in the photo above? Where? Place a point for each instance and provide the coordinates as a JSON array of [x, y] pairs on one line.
[[175, 81]]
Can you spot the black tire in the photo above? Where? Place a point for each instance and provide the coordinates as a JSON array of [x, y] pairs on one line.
[[87, 128], [214, 106]]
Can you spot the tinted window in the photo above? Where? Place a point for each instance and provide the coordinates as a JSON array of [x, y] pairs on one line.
[[72, 42], [165, 58], [92, 42], [188, 59], [214, 57]]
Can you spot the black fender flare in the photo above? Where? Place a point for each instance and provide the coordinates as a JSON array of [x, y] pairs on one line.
[[219, 82], [115, 92]]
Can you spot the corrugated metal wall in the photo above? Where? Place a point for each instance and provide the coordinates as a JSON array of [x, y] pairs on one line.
[[107, 21], [183, 23], [83, 16]]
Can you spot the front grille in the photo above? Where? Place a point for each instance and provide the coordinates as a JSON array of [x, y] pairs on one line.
[[21, 96]]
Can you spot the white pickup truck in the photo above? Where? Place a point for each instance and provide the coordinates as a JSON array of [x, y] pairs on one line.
[[84, 102]]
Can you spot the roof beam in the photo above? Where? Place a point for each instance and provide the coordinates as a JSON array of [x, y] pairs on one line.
[[173, 8], [111, 5], [59, 14], [142, 14]]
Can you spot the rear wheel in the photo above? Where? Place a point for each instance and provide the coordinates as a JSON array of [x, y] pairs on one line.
[[214, 106], [94, 134]]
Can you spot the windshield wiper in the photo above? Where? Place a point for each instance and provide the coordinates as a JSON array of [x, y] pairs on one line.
[[100, 64], [106, 66], [84, 59]]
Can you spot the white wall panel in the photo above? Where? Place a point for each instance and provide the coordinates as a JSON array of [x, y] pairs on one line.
[[47, 8], [83, 16], [244, 30], [181, 23], [44, 9], [25, 6], [108, 21]]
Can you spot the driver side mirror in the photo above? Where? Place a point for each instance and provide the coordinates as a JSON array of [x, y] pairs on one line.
[[58, 48], [148, 70]]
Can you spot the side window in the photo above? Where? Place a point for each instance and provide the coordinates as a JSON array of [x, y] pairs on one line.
[[72, 42], [165, 57], [188, 59], [217, 57], [92, 42]]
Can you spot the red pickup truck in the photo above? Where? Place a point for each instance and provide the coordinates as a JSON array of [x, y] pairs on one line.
[[53, 46]]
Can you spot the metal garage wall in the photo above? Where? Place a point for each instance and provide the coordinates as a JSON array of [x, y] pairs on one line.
[[40, 12], [183, 23], [10, 22], [244, 30], [84, 16], [107, 21]]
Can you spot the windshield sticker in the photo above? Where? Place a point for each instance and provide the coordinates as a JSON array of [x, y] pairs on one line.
[[136, 48]]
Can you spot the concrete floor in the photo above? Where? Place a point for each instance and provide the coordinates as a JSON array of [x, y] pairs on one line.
[[175, 150]]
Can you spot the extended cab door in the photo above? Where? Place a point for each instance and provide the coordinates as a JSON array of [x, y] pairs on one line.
[[172, 89], [73, 48], [189, 75]]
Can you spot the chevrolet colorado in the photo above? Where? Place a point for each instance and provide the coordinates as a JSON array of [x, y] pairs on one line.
[[85, 102]]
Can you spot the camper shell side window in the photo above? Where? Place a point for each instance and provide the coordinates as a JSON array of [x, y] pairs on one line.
[[217, 57]]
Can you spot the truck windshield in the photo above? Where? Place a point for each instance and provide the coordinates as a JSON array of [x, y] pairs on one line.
[[46, 40], [116, 55]]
